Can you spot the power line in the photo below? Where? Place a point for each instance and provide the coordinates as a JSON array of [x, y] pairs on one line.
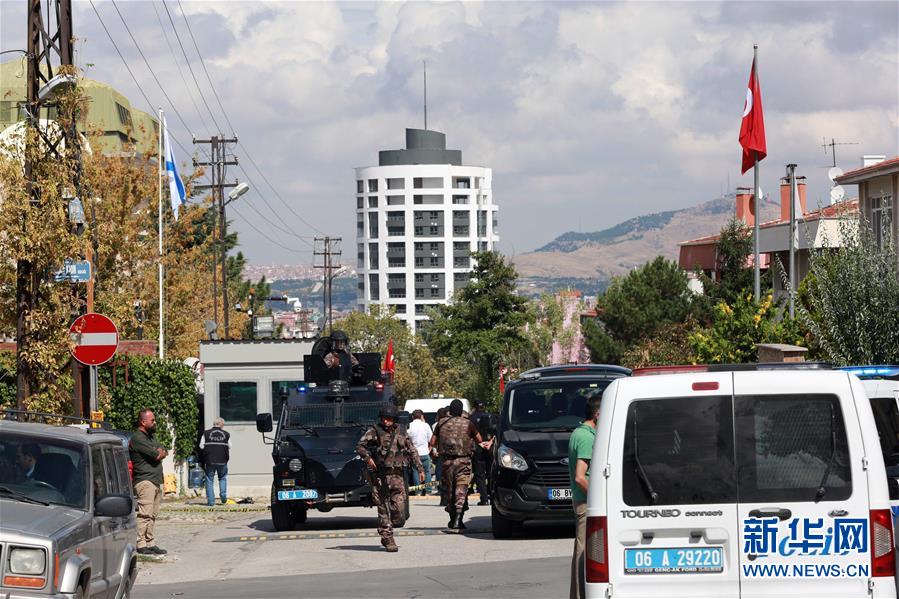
[[273, 211], [178, 65], [203, 64], [147, 62], [275, 191], [130, 72], [266, 236], [189, 67]]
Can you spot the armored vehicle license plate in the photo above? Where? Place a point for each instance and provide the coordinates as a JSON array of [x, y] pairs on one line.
[[678, 560], [559, 493], [297, 494]]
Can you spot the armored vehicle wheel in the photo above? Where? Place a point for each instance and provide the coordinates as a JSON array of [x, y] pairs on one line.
[[282, 519], [503, 528]]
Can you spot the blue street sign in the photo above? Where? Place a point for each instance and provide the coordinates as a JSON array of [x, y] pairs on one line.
[[74, 271]]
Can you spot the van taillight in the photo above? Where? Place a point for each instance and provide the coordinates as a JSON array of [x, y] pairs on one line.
[[882, 549], [597, 550], [706, 386]]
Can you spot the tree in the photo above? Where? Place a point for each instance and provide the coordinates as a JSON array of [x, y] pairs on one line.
[[482, 326], [850, 300], [638, 304], [738, 328], [733, 250]]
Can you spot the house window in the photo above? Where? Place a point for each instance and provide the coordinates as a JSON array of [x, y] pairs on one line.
[[237, 401], [435, 278], [359, 203], [373, 202], [434, 261], [434, 230], [396, 183], [419, 231], [435, 246], [435, 293], [419, 278], [419, 261], [419, 294], [882, 219], [360, 186], [125, 119], [372, 185]]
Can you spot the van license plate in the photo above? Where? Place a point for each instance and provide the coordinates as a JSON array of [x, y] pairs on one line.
[[678, 560], [559, 493], [298, 494]]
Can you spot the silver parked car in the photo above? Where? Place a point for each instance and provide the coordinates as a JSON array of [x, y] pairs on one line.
[[67, 521]]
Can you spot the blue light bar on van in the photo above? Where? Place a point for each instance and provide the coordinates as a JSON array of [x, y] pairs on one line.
[[301, 388], [872, 372]]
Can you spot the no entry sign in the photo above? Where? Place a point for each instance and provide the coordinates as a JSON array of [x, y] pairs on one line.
[[96, 339]]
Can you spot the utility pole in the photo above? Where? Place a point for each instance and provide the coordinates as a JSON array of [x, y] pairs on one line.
[[328, 250], [219, 162], [44, 48]]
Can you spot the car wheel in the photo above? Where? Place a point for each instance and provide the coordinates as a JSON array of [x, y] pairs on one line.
[[281, 516], [503, 528]]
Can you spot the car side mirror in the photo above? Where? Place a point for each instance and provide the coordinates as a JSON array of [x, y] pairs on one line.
[[114, 506], [264, 423]]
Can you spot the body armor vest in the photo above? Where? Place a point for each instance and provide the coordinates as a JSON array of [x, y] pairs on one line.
[[453, 439]]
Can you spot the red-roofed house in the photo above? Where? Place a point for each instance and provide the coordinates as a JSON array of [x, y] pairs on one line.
[[878, 193], [818, 228]]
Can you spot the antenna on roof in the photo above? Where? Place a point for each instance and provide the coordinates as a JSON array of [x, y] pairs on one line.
[[833, 147], [424, 64]]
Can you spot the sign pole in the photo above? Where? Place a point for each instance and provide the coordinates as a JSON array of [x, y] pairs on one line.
[[94, 386]]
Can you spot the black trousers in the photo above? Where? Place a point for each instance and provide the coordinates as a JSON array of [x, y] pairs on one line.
[[479, 466]]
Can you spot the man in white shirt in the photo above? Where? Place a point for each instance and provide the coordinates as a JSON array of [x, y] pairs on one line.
[[420, 433]]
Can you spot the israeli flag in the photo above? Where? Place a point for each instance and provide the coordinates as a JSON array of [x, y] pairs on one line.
[[176, 187]]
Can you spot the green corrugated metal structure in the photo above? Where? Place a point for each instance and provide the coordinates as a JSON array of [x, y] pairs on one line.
[[119, 127]]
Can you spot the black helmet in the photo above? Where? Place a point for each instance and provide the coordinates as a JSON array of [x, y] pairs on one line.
[[339, 336], [387, 411]]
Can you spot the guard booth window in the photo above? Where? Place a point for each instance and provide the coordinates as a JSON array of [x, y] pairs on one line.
[[237, 401], [277, 402]]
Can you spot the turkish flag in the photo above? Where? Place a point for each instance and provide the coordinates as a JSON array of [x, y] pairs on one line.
[[752, 129], [389, 361]]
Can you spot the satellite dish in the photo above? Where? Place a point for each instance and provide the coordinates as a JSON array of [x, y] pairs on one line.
[[834, 172], [837, 193]]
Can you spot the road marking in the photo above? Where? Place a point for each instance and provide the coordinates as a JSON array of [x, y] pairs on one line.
[[343, 535]]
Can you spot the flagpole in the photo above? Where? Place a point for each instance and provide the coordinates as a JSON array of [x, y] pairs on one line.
[[756, 192], [161, 161]]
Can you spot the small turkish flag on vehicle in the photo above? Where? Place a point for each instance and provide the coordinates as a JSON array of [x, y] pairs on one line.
[[389, 361], [752, 129]]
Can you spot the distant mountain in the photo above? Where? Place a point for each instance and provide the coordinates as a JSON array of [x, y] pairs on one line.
[[618, 249]]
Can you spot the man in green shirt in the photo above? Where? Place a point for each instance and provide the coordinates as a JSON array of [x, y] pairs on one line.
[[146, 458], [580, 451]]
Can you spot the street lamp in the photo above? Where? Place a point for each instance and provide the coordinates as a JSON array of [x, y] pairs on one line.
[[239, 189]]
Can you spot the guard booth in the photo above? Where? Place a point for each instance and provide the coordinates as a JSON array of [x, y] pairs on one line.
[[242, 379]]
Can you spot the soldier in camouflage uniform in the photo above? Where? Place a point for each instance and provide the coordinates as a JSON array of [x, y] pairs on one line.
[[386, 451], [455, 437]]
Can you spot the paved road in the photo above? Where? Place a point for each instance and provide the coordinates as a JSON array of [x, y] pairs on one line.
[[537, 578], [233, 554]]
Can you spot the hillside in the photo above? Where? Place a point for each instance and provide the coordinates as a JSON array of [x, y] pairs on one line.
[[614, 251]]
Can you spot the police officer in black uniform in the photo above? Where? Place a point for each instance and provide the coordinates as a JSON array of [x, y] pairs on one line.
[[216, 446], [480, 465]]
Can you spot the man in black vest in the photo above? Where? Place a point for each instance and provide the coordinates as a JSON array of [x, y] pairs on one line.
[[216, 446]]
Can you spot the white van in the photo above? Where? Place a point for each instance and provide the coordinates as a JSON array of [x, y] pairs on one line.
[[752, 482], [430, 406]]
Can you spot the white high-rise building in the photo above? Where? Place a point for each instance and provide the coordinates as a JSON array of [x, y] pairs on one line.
[[419, 216]]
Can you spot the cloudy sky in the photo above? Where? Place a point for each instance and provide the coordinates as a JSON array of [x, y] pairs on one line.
[[588, 113]]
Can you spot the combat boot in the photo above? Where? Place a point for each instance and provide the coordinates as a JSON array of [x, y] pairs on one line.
[[390, 545], [452, 520], [456, 522]]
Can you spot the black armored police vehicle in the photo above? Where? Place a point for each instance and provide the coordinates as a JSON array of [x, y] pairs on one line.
[[321, 421]]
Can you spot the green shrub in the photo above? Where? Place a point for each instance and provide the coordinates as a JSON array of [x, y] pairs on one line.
[[164, 386]]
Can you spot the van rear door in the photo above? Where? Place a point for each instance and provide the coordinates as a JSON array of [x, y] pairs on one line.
[[673, 520], [804, 509]]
